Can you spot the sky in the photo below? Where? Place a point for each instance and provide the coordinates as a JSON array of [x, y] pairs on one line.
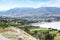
[[9, 4]]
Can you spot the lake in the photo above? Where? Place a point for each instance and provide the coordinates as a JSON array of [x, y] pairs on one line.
[[54, 25]]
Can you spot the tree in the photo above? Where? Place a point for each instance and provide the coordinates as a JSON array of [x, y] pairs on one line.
[[49, 37], [26, 29], [49, 20], [36, 34]]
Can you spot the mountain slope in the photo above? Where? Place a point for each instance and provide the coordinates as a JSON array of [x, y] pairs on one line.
[[31, 11]]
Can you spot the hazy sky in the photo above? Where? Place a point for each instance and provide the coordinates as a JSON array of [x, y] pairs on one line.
[[8, 4]]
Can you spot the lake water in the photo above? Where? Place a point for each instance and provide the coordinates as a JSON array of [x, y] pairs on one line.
[[54, 25]]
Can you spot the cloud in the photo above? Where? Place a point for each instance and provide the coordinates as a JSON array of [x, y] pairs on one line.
[[55, 3], [8, 4], [7, 7], [51, 3]]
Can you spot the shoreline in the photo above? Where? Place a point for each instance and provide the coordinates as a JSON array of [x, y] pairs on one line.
[[54, 25]]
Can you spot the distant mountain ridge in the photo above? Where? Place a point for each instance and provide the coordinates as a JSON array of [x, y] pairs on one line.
[[31, 11]]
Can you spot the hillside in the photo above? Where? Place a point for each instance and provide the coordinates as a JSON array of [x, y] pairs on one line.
[[15, 34], [23, 12]]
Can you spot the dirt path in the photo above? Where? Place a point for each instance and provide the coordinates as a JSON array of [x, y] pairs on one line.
[[3, 38]]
